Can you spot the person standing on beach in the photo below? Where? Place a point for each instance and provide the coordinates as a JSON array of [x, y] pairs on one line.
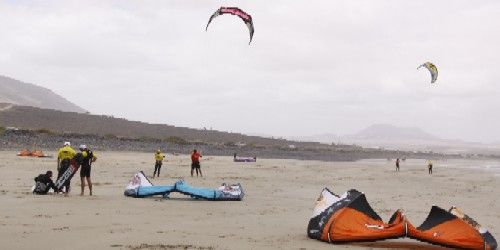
[[397, 164], [195, 163], [429, 166], [88, 157], [158, 162], [64, 156]]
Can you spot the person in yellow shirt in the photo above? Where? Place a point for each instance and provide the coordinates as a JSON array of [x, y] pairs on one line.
[[429, 166], [158, 162], [88, 157], [64, 156]]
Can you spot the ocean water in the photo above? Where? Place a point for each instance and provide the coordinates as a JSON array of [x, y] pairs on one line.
[[486, 165]]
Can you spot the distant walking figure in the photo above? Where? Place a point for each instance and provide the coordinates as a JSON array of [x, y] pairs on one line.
[[195, 163], [397, 164], [429, 166], [158, 162]]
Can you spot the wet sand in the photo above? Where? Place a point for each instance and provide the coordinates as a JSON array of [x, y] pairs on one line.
[[280, 196]]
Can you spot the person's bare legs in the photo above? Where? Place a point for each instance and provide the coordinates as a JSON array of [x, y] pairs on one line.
[[82, 185], [68, 189], [200, 172], [89, 182], [192, 170]]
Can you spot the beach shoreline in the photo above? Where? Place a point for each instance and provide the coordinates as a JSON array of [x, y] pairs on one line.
[[279, 199]]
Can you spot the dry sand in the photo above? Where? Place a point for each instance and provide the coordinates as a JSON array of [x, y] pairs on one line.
[[280, 195]]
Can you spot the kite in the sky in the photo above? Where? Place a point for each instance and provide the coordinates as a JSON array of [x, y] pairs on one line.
[[237, 12], [432, 69]]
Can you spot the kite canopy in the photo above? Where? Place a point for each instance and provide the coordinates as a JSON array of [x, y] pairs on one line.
[[432, 69], [36, 153], [140, 186], [244, 159], [24, 152], [452, 229], [237, 12], [349, 218]]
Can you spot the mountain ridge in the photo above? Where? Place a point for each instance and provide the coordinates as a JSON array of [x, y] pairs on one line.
[[387, 131], [27, 94], [402, 138]]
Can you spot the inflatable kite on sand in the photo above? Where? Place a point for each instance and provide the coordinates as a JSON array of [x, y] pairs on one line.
[[349, 218], [244, 159], [36, 153], [452, 228], [140, 186]]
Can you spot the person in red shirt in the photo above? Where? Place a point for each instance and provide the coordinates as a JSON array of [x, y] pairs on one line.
[[195, 163]]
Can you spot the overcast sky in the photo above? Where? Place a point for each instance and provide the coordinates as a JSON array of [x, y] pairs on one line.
[[313, 66]]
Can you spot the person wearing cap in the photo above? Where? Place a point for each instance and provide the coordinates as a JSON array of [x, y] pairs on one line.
[[88, 157], [64, 156], [43, 183], [158, 162]]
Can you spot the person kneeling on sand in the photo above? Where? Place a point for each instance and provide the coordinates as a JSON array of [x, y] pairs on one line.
[[88, 157], [195, 163], [43, 183]]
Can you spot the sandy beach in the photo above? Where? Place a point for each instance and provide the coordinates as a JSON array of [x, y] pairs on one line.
[[280, 196]]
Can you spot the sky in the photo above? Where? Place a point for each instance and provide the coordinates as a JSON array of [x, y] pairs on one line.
[[313, 67]]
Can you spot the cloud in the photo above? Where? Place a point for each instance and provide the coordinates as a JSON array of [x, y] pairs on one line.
[[313, 66]]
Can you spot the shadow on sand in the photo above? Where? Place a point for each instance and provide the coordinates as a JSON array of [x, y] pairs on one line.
[[399, 245]]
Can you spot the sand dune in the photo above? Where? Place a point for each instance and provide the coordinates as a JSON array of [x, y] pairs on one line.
[[280, 195]]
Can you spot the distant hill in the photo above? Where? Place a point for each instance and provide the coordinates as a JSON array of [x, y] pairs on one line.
[[390, 132], [373, 135], [327, 138], [70, 122], [403, 138], [23, 126], [109, 133], [27, 94]]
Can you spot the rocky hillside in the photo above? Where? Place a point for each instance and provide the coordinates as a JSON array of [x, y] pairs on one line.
[[34, 128], [69, 122], [12, 139], [27, 94]]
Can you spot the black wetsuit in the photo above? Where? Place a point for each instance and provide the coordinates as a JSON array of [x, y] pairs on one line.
[[43, 184], [86, 164]]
